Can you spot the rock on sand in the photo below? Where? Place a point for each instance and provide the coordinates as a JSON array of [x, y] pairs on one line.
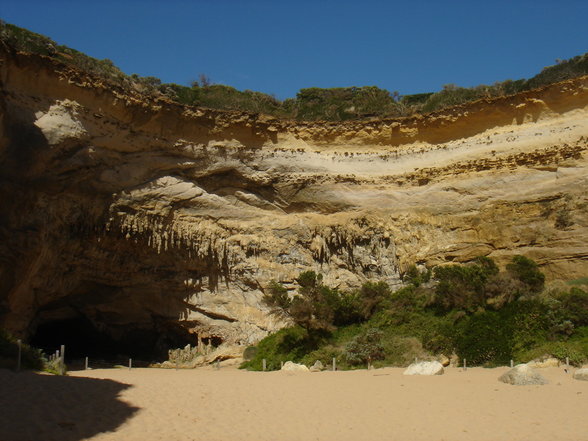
[[581, 374], [290, 366], [522, 375], [425, 368], [317, 366]]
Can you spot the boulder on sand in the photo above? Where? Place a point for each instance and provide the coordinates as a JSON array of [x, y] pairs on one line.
[[290, 366], [581, 374], [425, 368], [522, 375], [444, 360], [317, 366]]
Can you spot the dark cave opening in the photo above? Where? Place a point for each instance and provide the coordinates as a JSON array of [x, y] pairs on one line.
[[82, 339]]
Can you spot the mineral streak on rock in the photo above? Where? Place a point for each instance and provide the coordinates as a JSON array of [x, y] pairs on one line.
[[138, 213]]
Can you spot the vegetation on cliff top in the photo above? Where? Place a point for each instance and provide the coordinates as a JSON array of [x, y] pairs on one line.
[[332, 104], [474, 311]]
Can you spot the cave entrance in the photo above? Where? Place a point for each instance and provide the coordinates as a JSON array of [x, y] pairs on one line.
[[82, 339]]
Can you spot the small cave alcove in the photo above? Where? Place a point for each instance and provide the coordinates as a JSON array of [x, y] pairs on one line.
[[82, 339]]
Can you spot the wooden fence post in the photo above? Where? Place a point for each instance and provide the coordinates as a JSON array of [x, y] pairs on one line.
[[62, 361], [19, 343]]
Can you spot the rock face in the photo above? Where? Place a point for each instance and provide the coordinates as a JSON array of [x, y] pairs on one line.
[[191, 357], [162, 225], [522, 375], [581, 374], [290, 366], [425, 368]]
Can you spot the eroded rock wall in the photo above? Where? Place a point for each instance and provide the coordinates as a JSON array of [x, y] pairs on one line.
[[139, 213]]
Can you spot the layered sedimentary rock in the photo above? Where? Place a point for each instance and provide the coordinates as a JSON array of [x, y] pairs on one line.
[[139, 214]]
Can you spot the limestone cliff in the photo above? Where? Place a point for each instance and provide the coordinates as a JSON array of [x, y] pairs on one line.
[[145, 217]]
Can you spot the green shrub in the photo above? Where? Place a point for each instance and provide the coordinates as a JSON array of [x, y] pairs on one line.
[[342, 103], [349, 308], [409, 298], [314, 307], [527, 271], [54, 367], [451, 95], [371, 296], [574, 304], [575, 351], [416, 277], [318, 307], [483, 339], [402, 351], [416, 99], [277, 298], [288, 344], [462, 286], [502, 289], [528, 322], [492, 316], [325, 355], [365, 348], [562, 70]]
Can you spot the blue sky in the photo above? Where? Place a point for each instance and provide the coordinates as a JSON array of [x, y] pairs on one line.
[[279, 47]]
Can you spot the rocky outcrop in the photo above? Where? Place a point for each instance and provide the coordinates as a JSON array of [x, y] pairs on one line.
[[190, 357], [164, 224], [522, 375]]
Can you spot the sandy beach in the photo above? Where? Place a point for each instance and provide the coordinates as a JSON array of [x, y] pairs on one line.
[[228, 404]]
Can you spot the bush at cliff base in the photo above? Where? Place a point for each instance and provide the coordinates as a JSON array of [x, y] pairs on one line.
[[474, 311]]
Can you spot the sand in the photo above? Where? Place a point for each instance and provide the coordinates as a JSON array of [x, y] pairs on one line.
[[228, 404]]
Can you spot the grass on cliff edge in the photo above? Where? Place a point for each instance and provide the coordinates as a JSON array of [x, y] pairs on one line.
[[312, 104], [473, 311]]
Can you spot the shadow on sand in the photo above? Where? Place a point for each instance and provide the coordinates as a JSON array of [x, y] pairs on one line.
[[37, 407]]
